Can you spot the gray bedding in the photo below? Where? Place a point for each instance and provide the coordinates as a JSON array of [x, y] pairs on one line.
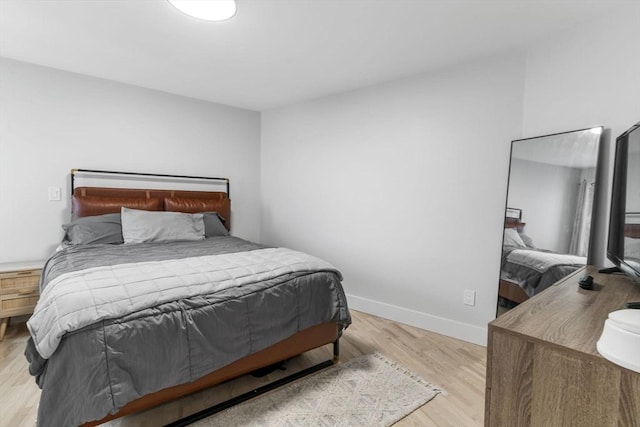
[[98, 369], [534, 269]]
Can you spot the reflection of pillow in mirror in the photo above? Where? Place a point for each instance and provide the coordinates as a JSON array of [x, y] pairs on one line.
[[528, 241], [631, 248], [512, 238]]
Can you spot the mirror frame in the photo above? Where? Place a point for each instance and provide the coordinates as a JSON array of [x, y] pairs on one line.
[[513, 214]]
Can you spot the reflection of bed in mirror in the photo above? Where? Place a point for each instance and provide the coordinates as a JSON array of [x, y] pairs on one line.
[[526, 270]]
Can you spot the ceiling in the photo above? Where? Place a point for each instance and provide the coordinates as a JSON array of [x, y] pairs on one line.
[[275, 52]]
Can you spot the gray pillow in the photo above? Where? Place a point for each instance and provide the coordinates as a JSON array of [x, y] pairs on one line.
[[511, 238], [213, 226], [528, 241], [94, 229], [153, 226]]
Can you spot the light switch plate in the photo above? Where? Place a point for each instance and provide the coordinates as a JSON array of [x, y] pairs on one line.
[[55, 193]]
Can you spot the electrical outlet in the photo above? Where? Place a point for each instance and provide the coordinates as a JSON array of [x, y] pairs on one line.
[[470, 297], [54, 193]]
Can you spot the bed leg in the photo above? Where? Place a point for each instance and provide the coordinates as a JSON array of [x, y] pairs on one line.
[[336, 351]]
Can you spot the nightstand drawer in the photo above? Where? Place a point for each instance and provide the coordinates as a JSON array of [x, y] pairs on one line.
[[16, 305], [19, 281], [19, 290]]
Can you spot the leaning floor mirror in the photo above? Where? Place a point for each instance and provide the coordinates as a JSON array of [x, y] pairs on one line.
[[548, 216]]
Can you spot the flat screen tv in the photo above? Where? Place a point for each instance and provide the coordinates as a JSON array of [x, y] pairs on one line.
[[623, 246]]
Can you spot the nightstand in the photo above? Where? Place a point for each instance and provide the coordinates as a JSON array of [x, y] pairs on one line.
[[19, 290]]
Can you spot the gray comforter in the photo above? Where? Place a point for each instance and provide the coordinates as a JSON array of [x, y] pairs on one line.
[[99, 368], [535, 269]]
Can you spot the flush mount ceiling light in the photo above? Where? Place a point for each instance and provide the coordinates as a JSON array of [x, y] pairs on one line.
[[209, 10]]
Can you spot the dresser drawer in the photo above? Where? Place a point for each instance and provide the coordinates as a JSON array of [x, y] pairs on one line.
[[19, 281]]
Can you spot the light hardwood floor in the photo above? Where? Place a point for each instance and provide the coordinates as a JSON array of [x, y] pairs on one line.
[[456, 366]]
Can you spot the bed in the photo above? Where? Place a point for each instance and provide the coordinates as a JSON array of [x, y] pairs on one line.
[[121, 327], [526, 271]]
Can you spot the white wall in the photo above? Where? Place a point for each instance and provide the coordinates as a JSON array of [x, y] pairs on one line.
[[547, 195], [53, 121], [589, 76], [402, 186]]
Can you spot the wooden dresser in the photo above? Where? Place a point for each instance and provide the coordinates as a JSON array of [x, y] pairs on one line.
[[543, 368], [19, 290]]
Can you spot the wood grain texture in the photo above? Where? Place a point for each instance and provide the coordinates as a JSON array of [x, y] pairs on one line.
[[543, 359], [573, 391], [629, 403], [514, 378], [456, 366]]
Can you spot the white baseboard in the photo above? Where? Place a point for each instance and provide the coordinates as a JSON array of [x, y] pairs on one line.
[[440, 325]]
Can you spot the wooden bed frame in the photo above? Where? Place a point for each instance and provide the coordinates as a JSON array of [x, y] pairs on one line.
[[306, 340], [512, 291], [506, 289], [632, 230], [88, 201]]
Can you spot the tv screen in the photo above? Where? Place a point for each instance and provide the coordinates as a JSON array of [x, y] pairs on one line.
[[623, 247]]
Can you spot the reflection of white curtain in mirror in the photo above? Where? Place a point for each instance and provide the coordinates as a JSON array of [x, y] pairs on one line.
[[582, 221]]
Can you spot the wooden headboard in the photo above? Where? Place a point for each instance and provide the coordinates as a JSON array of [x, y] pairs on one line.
[[90, 201], [513, 219], [514, 223], [98, 200]]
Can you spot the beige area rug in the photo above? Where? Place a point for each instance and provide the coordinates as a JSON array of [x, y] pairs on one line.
[[367, 391]]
